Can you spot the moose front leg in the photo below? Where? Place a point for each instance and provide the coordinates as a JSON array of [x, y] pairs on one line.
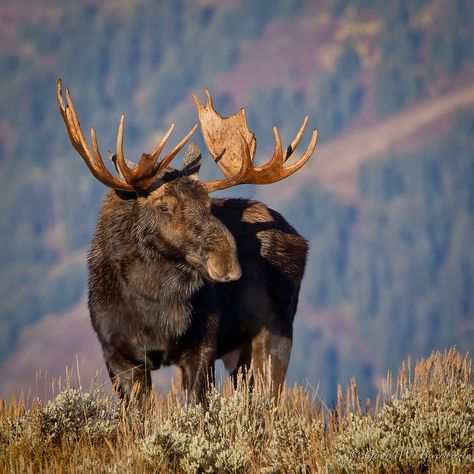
[[198, 373], [131, 380], [198, 347]]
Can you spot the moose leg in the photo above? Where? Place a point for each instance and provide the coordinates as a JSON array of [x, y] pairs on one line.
[[271, 349], [130, 380], [242, 366], [197, 361], [198, 374]]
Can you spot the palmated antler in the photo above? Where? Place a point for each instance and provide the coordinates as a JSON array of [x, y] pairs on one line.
[[135, 178], [232, 146]]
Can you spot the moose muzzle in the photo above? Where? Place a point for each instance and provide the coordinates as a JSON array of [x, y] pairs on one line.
[[222, 262], [223, 266]]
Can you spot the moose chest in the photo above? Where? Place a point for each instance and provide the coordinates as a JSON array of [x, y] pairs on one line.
[[160, 305], [144, 283]]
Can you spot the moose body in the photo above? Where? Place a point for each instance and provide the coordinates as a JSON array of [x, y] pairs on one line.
[[150, 307], [178, 278]]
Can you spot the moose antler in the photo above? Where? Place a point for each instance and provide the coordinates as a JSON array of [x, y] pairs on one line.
[[232, 146], [135, 178]]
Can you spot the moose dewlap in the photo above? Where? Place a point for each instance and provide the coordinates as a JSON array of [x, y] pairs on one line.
[[177, 277]]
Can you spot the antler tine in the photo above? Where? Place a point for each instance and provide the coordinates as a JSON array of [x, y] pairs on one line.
[[127, 173], [159, 148], [95, 147], [166, 160], [306, 156], [148, 160], [63, 110], [69, 122], [292, 147], [111, 179], [59, 96], [78, 141], [72, 116], [278, 158], [72, 132], [147, 182], [96, 159]]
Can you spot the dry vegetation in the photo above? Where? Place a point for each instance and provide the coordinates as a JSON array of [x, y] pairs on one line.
[[426, 424]]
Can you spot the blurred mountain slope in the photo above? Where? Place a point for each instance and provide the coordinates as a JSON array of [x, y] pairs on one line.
[[61, 337], [337, 163], [380, 81]]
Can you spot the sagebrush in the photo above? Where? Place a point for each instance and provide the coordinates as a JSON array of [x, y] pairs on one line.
[[425, 425]]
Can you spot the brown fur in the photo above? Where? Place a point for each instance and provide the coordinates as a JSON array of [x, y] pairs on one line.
[[178, 278], [165, 287]]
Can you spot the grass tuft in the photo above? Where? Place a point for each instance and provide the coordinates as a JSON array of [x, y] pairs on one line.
[[426, 425]]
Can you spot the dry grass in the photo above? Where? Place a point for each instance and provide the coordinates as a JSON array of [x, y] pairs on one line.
[[425, 425]]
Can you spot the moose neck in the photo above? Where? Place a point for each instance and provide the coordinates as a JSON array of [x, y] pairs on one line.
[[157, 280], [181, 278]]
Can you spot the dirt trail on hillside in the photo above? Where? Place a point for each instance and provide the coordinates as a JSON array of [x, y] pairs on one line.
[[335, 163]]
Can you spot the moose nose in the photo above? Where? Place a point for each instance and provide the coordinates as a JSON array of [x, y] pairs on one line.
[[223, 268]]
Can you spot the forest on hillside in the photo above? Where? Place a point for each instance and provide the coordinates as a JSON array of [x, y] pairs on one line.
[[394, 270], [400, 265]]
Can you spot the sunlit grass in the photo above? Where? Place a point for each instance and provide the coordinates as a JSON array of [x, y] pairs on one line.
[[425, 422]]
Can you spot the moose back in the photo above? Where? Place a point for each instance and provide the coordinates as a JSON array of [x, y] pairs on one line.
[[179, 278]]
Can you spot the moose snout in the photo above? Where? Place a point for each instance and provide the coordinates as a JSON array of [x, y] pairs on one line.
[[223, 267]]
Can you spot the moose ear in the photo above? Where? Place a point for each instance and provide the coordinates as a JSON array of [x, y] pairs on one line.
[[113, 158], [192, 162]]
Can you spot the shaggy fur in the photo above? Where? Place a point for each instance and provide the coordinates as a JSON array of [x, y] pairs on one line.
[[165, 285]]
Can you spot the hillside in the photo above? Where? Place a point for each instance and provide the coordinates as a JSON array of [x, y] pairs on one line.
[[338, 161], [386, 202], [335, 167]]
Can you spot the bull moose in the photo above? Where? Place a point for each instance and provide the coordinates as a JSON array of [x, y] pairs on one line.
[[179, 278]]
